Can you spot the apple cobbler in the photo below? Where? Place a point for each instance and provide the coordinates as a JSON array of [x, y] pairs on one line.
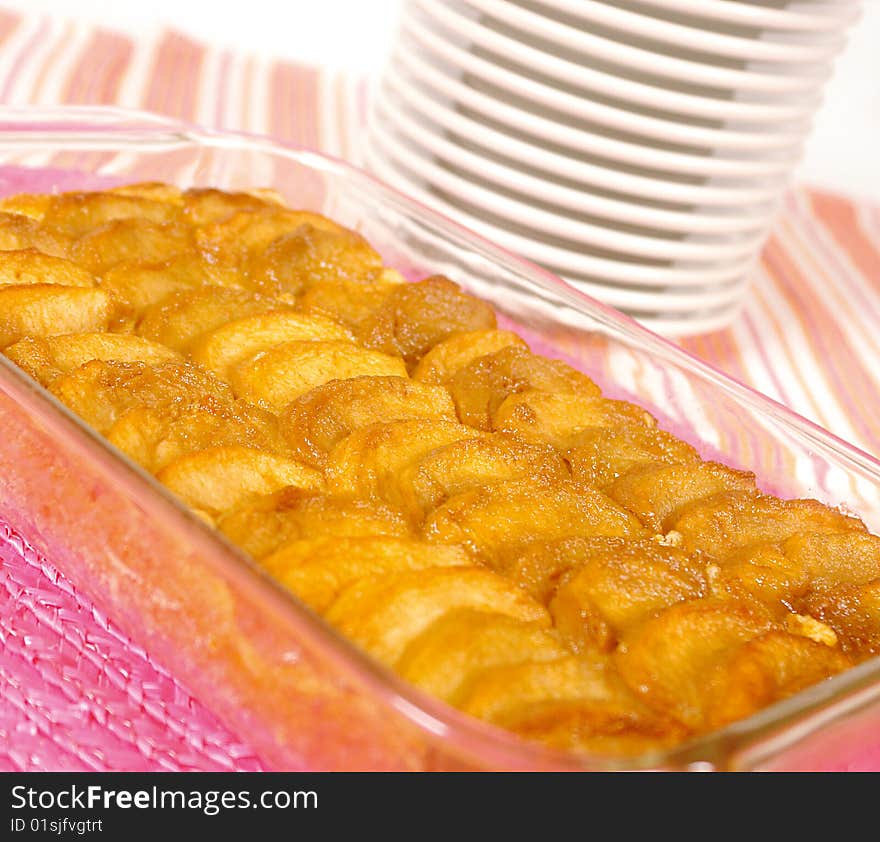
[[477, 517]]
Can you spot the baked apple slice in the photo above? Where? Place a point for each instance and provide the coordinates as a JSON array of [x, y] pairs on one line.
[[453, 468], [263, 524], [315, 422], [497, 521], [318, 570], [451, 355], [46, 358], [140, 284], [414, 317], [459, 646], [559, 418], [221, 348], [616, 585], [481, 386], [765, 670], [600, 455], [284, 372], [130, 239], [368, 461], [101, 392], [18, 231], [20, 267], [728, 521], [156, 437], [299, 259], [219, 478], [384, 615], [53, 310], [180, 318], [656, 494], [669, 660]]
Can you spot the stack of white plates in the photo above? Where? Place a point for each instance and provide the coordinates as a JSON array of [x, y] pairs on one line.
[[638, 149]]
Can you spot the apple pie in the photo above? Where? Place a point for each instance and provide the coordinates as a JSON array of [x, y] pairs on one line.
[[477, 517]]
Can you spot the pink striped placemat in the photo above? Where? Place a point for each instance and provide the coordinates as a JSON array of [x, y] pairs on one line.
[[74, 692]]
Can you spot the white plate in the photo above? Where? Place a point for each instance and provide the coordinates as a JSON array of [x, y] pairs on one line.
[[698, 221], [771, 136], [691, 324], [656, 66], [773, 164], [527, 216], [383, 163], [813, 66], [568, 198], [692, 37], [628, 91], [732, 197], [663, 301], [797, 17]]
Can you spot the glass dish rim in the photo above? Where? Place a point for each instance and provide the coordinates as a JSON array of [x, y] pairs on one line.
[[770, 727]]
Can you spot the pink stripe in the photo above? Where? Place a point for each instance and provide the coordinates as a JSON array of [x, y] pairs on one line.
[[9, 22], [851, 378], [778, 352], [156, 95], [847, 275], [49, 67], [191, 58], [844, 222], [785, 467], [243, 118], [302, 82], [759, 349], [859, 277], [23, 54], [114, 53], [853, 366], [822, 338], [222, 90]]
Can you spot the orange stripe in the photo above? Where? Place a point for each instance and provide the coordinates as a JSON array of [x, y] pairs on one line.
[[313, 90], [341, 117], [835, 354], [246, 88], [840, 217], [110, 53], [284, 110], [776, 321], [722, 350], [191, 59], [48, 67], [302, 82], [818, 261], [173, 81], [77, 83], [297, 129], [121, 52], [176, 105], [161, 77], [840, 290], [9, 22], [720, 356]]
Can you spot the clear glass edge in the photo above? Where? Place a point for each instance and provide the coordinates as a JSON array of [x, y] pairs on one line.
[[745, 744]]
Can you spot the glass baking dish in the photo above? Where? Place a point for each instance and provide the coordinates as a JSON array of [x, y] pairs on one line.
[[260, 660]]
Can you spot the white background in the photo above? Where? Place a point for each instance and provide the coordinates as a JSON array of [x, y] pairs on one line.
[[843, 154]]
